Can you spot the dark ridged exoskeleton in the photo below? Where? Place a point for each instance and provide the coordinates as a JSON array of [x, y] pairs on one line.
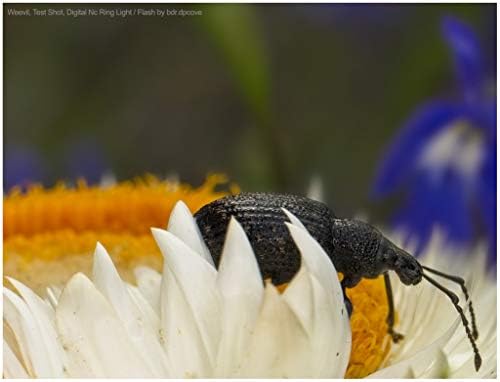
[[357, 249]]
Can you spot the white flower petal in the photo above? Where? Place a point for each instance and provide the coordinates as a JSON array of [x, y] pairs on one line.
[[151, 318], [182, 338], [238, 269], [400, 370], [189, 285], [143, 336], [418, 358], [316, 261], [279, 346], [418, 364], [94, 338], [52, 297], [43, 315], [28, 335], [438, 368], [299, 295], [183, 225], [240, 284], [293, 219], [12, 366], [428, 303], [321, 267], [148, 282], [310, 302]]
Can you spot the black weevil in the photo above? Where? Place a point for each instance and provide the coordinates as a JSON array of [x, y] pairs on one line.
[[357, 249]]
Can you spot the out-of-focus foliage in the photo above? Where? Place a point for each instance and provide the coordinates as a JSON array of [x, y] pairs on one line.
[[235, 31], [269, 94]]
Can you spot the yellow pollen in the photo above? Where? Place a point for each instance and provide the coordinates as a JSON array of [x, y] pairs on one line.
[[50, 234], [370, 341], [131, 207]]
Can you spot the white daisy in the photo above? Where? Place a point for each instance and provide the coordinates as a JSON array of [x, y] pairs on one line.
[[195, 321], [205, 324]]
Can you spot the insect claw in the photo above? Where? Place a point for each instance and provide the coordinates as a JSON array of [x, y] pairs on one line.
[[477, 362], [396, 337]]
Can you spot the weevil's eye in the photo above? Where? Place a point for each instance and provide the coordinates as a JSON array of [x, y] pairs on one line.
[[387, 253], [390, 257]]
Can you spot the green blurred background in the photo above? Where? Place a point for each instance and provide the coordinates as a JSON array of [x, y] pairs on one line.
[[272, 95]]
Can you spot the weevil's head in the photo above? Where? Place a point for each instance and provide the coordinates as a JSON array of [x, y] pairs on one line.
[[405, 265], [371, 253]]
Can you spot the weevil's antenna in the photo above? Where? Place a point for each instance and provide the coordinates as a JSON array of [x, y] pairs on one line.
[[461, 282], [454, 299]]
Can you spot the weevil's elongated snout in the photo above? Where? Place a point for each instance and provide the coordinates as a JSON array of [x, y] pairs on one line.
[[408, 269]]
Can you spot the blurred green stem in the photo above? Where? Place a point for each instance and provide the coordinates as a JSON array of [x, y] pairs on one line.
[[234, 30]]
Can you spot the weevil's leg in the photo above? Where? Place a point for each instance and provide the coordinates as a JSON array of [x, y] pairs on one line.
[[396, 337], [348, 282], [347, 302]]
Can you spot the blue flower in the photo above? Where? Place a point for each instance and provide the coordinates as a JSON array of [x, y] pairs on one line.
[[444, 157], [22, 166]]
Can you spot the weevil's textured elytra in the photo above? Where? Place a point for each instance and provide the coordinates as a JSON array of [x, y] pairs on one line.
[[357, 249], [262, 219]]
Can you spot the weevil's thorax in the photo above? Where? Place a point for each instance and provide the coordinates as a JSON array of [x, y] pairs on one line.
[[358, 251]]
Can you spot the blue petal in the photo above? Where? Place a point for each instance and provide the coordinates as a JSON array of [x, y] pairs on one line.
[[482, 115], [22, 165], [399, 160], [489, 118], [466, 53], [487, 198], [436, 202]]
